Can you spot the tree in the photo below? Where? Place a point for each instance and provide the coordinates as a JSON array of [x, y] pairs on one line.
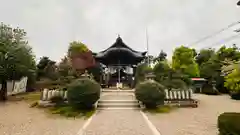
[[212, 65], [233, 80], [161, 70], [141, 70], [231, 53], [76, 48], [16, 56], [51, 70], [225, 56], [204, 55], [46, 68], [96, 71], [183, 60], [81, 57], [64, 67], [161, 56], [210, 69]]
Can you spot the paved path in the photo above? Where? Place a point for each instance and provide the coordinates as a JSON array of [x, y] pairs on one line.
[[118, 122], [118, 96]]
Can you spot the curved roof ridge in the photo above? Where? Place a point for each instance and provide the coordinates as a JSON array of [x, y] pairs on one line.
[[120, 44]]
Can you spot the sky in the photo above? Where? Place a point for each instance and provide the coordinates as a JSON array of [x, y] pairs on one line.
[[52, 24]]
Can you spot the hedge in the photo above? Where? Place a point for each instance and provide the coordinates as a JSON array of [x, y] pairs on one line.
[[229, 123]]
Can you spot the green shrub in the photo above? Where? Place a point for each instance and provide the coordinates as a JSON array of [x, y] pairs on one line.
[[232, 82], [141, 71], [69, 111], [57, 99], [235, 95], [228, 124], [174, 84], [83, 93], [161, 109], [150, 93], [49, 84], [209, 90]]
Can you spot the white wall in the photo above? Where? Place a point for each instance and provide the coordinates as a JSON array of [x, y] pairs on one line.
[[14, 87]]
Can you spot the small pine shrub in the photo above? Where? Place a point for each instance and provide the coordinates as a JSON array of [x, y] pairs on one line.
[[150, 93], [228, 124], [57, 99], [209, 90], [235, 96]]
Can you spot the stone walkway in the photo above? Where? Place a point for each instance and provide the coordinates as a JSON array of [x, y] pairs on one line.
[[118, 122]]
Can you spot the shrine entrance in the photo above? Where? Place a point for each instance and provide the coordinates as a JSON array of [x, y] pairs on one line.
[[120, 64]]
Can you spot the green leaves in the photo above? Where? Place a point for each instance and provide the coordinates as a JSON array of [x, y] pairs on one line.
[[141, 71], [183, 60], [77, 47], [231, 53], [232, 81], [204, 55], [16, 57]]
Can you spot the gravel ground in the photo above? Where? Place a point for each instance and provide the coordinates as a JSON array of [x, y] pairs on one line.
[[118, 122], [16, 118], [195, 121]]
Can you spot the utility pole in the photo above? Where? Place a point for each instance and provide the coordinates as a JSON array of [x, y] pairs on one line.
[[148, 60]]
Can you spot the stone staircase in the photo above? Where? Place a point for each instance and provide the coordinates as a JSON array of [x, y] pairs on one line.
[[118, 99]]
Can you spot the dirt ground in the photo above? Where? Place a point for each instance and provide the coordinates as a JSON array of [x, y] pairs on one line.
[[195, 121], [16, 118]]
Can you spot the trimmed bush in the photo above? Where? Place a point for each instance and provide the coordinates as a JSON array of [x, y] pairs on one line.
[[150, 93], [49, 84], [235, 96], [228, 124], [57, 99], [83, 93], [209, 90], [174, 84]]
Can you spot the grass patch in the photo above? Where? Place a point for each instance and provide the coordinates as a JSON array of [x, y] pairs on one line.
[[32, 96], [62, 109], [68, 111], [161, 109]]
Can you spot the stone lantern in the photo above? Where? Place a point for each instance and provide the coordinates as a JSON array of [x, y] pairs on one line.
[[86, 75], [150, 76]]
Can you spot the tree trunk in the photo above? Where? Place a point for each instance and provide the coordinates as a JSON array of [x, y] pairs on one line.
[[3, 91]]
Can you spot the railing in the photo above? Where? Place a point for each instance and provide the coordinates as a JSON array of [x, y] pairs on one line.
[[178, 94], [46, 94]]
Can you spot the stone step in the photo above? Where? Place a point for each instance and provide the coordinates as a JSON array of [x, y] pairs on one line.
[[120, 91], [118, 101], [118, 105], [119, 108]]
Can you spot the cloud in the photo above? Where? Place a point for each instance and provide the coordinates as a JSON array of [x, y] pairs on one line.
[[52, 24]]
